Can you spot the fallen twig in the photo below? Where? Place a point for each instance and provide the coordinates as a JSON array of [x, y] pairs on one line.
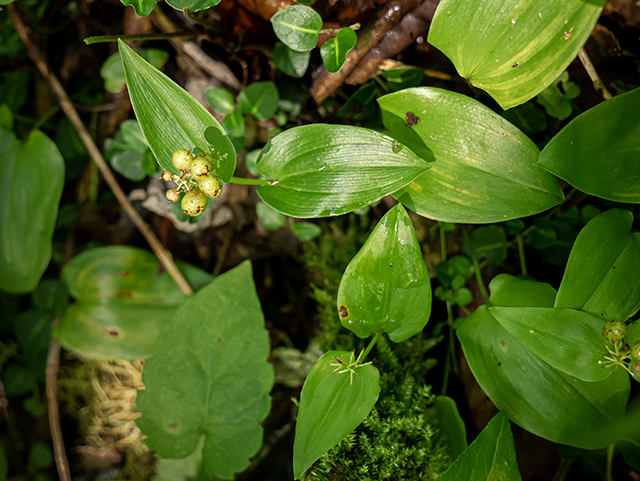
[[38, 58], [593, 74]]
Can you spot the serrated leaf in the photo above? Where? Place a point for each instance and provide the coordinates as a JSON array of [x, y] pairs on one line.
[[297, 27], [221, 100], [331, 406], [121, 302], [209, 376], [567, 339], [483, 170], [334, 51], [31, 183], [534, 395], [259, 99], [324, 170], [603, 272], [512, 49], [386, 285], [492, 456], [171, 119], [290, 61], [600, 157]]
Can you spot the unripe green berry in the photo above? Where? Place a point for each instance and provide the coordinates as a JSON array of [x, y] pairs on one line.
[[167, 176], [194, 203], [210, 186], [182, 159], [202, 165], [172, 195], [635, 352], [614, 330]]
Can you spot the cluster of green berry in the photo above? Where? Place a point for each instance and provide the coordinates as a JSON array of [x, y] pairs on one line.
[[614, 332], [196, 180]]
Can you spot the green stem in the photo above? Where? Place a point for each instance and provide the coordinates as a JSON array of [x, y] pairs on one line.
[[371, 344], [243, 181], [610, 450], [523, 259], [443, 242], [476, 267], [139, 36]]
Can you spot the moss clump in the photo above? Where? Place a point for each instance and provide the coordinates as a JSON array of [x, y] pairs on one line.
[[396, 441]]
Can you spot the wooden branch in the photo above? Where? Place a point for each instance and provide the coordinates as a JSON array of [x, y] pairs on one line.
[[593, 74], [38, 58]]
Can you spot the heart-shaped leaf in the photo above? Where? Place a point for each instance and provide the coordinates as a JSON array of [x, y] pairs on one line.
[[259, 99], [171, 119], [31, 183], [603, 273], [335, 399], [209, 376], [289, 61], [569, 340], [297, 27], [334, 51], [600, 158], [121, 302], [324, 170], [483, 170], [141, 7], [534, 395], [386, 285], [513, 49], [491, 456]]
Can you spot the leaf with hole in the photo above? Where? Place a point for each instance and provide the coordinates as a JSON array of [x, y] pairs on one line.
[[512, 49], [297, 27], [334, 51], [324, 170]]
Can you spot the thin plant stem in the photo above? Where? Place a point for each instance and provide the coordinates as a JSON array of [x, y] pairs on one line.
[[610, 450], [443, 242], [37, 57], [138, 36], [371, 344], [598, 84], [476, 267], [243, 181], [523, 259]]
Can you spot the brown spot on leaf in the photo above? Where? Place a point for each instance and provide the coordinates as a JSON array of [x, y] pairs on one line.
[[219, 340], [125, 274], [343, 311], [41, 232], [502, 343], [113, 332], [173, 425], [412, 119], [126, 294], [458, 189]]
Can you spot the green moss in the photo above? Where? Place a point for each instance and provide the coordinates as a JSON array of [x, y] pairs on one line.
[[395, 441]]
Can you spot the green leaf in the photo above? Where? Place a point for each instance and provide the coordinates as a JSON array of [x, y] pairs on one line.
[[112, 70], [141, 7], [40, 456], [403, 78], [233, 124], [194, 5], [271, 218], [297, 27], [324, 170], [331, 406], [209, 376], [171, 119], [31, 183], [527, 117], [492, 456], [259, 99], [386, 285], [557, 102], [534, 395], [133, 137], [221, 100], [289, 61], [121, 302], [483, 170], [603, 272], [445, 415], [6, 117], [305, 231], [334, 51], [569, 340], [512, 49], [598, 151], [489, 242], [129, 164]]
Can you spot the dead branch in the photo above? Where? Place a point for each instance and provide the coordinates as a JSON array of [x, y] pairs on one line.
[[38, 58], [598, 84]]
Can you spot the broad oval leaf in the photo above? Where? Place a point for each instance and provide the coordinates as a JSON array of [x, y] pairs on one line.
[[534, 395], [271, 218], [31, 183], [221, 100], [290, 61], [567, 339], [305, 231], [332, 404], [259, 99], [323, 170], [445, 415], [209, 376], [492, 456], [513, 49], [598, 156], [603, 272], [194, 5], [483, 170], [334, 51], [386, 285], [234, 125], [171, 119], [297, 27], [121, 302]]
